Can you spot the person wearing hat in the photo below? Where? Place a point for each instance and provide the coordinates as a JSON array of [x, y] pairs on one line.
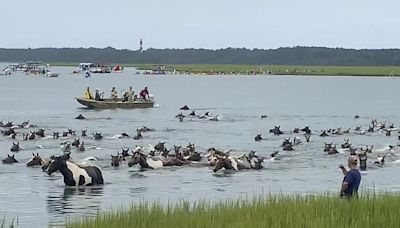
[[352, 178]]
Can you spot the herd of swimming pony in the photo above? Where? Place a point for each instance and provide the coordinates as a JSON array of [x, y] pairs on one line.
[[84, 173]]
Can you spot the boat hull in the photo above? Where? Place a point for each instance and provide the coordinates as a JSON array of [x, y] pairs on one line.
[[52, 74], [110, 104]]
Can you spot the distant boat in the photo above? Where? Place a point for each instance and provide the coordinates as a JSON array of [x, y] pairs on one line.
[[115, 103], [6, 71], [52, 74], [94, 68], [118, 69]]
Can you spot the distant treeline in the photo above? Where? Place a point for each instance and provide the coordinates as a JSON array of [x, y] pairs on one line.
[[281, 56]]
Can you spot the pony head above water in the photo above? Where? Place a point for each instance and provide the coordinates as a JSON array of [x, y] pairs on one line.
[[54, 164], [222, 162], [97, 136], [15, 147], [40, 132], [115, 160], [9, 159], [125, 152], [160, 146], [76, 142], [135, 159], [35, 160]]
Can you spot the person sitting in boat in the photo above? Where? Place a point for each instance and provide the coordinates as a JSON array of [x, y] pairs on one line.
[[98, 95], [129, 94], [125, 96], [144, 94], [114, 94], [88, 94]]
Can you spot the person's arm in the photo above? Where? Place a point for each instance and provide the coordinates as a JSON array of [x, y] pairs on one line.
[[348, 179], [343, 169], [344, 187]]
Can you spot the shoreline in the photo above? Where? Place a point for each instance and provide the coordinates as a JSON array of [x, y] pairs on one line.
[[230, 69], [327, 210]]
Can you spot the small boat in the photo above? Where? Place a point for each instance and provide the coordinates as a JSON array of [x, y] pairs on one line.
[[94, 68], [52, 74], [115, 103]]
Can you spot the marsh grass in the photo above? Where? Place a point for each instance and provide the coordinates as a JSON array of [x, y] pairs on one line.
[[4, 223], [279, 69], [275, 211], [264, 69]]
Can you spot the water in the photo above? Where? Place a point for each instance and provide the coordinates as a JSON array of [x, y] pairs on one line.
[[37, 199]]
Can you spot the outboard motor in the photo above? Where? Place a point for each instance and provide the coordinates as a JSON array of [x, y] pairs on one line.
[[363, 161]]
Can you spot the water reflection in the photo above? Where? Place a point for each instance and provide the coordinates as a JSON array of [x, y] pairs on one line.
[[83, 201]]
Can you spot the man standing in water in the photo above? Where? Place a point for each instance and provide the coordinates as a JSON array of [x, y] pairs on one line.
[[352, 178]]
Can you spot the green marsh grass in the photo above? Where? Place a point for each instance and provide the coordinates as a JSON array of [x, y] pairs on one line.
[[5, 223], [273, 69], [276, 211], [280, 69]]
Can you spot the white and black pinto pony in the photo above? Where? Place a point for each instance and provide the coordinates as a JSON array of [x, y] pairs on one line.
[[74, 174], [249, 161], [144, 161]]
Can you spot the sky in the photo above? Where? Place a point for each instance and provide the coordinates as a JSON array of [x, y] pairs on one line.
[[210, 24]]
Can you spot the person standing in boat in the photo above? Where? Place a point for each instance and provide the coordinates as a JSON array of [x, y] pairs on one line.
[[88, 94], [130, 93], [144, 94], [114, 94]]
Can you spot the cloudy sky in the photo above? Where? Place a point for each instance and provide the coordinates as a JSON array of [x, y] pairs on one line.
[[208, 24]]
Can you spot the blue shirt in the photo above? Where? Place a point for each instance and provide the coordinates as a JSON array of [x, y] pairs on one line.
[[353, 178]]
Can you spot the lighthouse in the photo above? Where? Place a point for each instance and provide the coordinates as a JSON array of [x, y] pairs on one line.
[[141, 45]]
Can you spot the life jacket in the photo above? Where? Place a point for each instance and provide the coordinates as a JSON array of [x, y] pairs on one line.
[[88, 95]]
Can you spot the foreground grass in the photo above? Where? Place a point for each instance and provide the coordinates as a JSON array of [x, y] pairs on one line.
[[294, 211], [5, 223]]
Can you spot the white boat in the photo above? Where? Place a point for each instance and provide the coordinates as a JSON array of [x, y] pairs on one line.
[[52, 74], [94, 68]]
